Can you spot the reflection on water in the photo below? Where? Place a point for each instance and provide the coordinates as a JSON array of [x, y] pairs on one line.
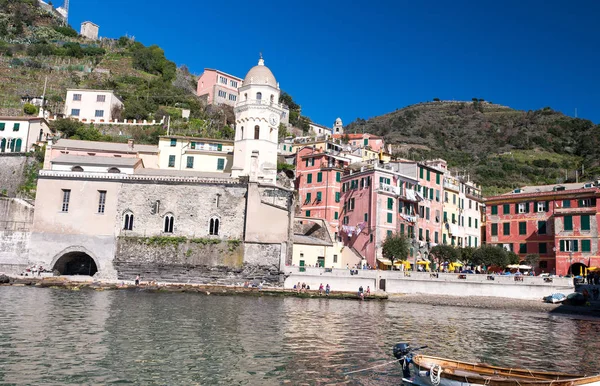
[[65, 337]]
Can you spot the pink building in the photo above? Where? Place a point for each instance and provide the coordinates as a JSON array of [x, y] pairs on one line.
[[374, 142], [431, 188], [378, 201], [218, 87], [319, 180]]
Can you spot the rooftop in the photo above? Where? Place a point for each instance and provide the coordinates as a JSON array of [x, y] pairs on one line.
[[356, 136], [223, 73], [91, 160], [228, 141], [104, 146], [30, 119], [309, 240], [549, 190]]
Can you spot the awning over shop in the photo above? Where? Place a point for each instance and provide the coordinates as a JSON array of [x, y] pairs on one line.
[[384, 261]]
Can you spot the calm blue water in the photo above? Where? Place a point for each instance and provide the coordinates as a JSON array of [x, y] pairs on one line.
[[53, 336]]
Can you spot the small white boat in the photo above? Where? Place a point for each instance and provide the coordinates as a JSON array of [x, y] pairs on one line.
[[432, 371], [555, 298]]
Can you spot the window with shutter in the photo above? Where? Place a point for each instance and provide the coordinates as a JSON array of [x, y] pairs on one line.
[[389, 218], [318, 196], [494, 209], [568, 223], [585, 222], [338, 177], [390, 203], [586, 246], [541, 227], [337, 196], [221, 164], [309, 178], [319, 177], [522, 228], [506, 229], [506, 209]]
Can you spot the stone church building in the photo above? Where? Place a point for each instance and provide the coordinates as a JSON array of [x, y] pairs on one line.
[[106, 214]]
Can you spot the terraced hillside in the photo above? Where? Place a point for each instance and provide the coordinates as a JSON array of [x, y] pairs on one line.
[[500, 147]]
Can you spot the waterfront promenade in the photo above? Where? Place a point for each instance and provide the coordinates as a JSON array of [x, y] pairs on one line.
[[452, 284]]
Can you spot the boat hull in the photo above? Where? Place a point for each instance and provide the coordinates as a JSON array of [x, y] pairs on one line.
[[454, 373]]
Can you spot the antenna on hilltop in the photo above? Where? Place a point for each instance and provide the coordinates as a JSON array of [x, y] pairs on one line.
[[575, 112], [66, 7]]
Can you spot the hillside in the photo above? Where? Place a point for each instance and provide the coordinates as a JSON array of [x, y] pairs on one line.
[[35, 46], [499, 147]]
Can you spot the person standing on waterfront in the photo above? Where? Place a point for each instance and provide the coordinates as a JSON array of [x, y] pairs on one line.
[[327, 290], [368, 290], [137, 280], [321, 289]]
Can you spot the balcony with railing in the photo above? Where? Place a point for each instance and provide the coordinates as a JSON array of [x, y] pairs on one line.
[[452, 185], [389, 189], [576, 210], [261, 102]]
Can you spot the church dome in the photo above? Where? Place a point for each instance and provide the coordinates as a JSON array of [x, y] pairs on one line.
[[260, 75]]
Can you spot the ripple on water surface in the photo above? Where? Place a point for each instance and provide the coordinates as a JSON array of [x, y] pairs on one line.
[[63, 337]]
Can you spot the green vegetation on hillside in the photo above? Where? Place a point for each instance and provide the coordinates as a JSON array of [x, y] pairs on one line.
[[499, 147]]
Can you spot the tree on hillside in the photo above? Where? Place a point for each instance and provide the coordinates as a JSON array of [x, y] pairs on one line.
[[67, 127], [395, 247], [152, 60], [444, 253]]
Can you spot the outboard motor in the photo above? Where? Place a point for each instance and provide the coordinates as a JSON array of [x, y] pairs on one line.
[[402, 353]]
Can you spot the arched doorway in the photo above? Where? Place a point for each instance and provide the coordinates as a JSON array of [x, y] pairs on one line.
[[76, 263], [577, 269]]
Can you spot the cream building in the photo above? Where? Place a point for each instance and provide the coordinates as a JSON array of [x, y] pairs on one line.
[[91, 105], [89, 30], [258, 114], [19, 134], [197, 154]]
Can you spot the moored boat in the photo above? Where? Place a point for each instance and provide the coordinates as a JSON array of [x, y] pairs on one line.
[[428, 370]]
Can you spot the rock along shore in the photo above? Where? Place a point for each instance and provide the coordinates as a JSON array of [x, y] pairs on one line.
[[206, 289]]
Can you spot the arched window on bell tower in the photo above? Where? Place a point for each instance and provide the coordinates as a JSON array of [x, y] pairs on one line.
[[256, 132], [241, 132], [258, 96]]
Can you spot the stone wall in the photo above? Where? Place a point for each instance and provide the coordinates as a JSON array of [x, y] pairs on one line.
[[16, 218], [184, 260], [12, 172], [192, 207]]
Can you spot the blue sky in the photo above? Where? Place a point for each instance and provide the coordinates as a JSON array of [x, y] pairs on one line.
[[361, 59]]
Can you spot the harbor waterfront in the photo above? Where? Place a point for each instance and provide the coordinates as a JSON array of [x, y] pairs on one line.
[[55, 336]]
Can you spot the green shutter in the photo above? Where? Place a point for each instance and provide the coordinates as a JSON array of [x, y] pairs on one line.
[[437, 178], [494, 209], [171, 161], [568, 223], [319, 177], [337, 196], [586, 246], [400, 206], [390, 204], [219, 147], [562, 245], [522, 228], [336, 215], [318, 196], [2, 125], [190, 162], [366, 217], [389, 218], [421, 172], [221, 164], [542, 227], [575, 245], [476, 224], [389, 233], [506, 229], [309, 178], [506, 209], [338, 177], [366, 141], [16, 127], [308, 213], [312, 162], [308, 197], [401, 229], [428, 175], [431, 194], [523, 248], [566, 203], [494, 229], [306, 163], [585, 223]]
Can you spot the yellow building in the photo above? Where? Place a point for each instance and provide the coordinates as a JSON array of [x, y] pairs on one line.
[[195, 154], [451, 219]]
